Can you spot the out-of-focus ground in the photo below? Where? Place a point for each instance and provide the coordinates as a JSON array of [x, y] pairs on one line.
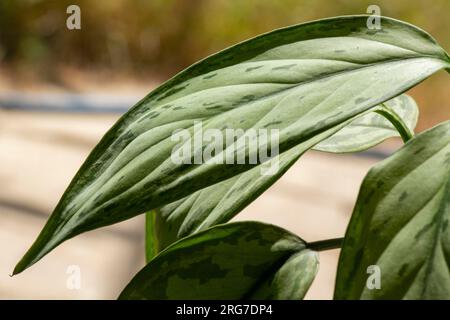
[[127, 49]]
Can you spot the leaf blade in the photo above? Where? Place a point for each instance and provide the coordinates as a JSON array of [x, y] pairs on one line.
[[403, 203], [219, 203], [232, 261], [130, 171]]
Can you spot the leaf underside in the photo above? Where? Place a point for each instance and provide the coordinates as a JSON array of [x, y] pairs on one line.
[[371, 129], [242, 260], [400, 224], [302, 80]]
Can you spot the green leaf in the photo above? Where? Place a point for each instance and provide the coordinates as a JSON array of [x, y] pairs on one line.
[[221, 202], [242, 260], [372, 129], [400, 224], [302, 80]]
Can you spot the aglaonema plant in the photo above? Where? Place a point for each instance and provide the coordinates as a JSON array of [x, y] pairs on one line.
[[331, 85]]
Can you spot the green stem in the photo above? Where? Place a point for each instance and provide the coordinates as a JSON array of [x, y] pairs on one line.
[[150, 241], [328, 244], [396, 121]]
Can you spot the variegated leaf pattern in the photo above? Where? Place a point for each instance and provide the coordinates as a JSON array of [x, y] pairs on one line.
[[241, 260], [301, 80], [222, 201], [400, 225]]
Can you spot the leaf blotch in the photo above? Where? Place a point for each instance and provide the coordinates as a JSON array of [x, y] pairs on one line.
[[403, 196], [252, 68], [273, 123], [419, 150], [210, 76], [361, 100], [215, 107], [285, 67], [171, 92], [444, 225], [424, 229], [402, 270]]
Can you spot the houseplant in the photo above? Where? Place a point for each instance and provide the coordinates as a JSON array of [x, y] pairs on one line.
[[331, 85]]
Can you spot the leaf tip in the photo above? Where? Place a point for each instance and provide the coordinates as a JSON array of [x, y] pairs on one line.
[[20, 266]]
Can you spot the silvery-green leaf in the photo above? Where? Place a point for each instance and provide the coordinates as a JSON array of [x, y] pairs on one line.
[[222, 201], [397, 245], [372, 129], [301, 80], [242, 260]]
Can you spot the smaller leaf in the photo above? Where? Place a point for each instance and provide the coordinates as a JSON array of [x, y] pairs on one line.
[[373, 128], [242, 260], [292, 280]]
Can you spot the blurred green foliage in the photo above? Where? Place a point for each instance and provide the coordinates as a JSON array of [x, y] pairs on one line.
[[164, 36]]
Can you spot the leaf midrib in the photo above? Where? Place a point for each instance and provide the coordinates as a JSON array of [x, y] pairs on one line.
[[331, 75], [263, 97]]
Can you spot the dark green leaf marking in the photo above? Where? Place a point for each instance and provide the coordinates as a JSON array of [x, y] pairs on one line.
[[374, 68], [243, 260]]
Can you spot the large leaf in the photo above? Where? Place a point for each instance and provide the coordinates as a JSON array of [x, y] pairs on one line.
[[400, 224], [302, 80], [242, 260], [368, 131], [221, 202]]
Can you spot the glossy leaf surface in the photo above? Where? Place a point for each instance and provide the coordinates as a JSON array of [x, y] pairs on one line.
[[242, 260], [301, 80]]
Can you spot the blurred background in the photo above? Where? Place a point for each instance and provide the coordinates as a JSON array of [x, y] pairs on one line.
[[61, 89]]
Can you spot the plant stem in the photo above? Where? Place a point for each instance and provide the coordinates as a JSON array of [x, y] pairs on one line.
[[150, 241], [396, 121], [328, 244]]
